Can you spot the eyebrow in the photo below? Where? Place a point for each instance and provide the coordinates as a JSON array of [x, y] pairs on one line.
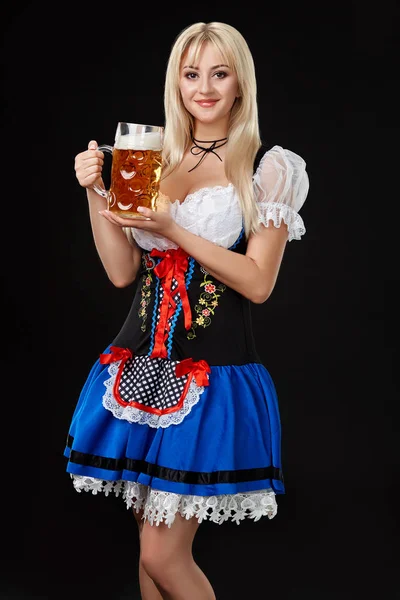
[[212, 68]]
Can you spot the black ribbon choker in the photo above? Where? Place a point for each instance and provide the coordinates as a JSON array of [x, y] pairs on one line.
[[196, 150]]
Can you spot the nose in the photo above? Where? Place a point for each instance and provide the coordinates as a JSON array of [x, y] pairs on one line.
[[205, 85]]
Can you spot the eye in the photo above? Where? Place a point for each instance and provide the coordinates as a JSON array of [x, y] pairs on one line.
[[191, 75], [221, 74]]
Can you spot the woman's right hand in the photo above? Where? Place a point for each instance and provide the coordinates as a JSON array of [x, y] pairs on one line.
[[89, 166]]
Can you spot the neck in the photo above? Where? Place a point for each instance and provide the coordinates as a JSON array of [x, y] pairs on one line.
[[211, 133], [202, 147], [209, 141]]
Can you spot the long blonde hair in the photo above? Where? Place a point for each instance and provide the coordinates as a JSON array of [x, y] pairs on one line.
[[243, 132]]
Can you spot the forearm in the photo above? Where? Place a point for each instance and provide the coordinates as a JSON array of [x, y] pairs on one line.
[[119, 258], [235, 270]]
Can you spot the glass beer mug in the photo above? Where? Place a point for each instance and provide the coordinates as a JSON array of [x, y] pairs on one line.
[[135, 169]]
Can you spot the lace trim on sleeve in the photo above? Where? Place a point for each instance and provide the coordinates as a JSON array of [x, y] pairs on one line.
[[278, 212]]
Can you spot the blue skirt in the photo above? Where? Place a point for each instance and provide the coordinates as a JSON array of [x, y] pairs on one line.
[[219, 459]]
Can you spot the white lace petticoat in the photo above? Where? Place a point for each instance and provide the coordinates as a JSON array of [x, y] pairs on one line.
[[159, 507]]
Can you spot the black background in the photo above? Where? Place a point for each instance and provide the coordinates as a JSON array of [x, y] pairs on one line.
[[326, 73]]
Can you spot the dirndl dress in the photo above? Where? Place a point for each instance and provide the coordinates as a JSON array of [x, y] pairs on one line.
[[178, 414]]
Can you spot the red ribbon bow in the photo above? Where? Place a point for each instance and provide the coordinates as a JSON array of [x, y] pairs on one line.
[[115, 354], [173, 265], [199, 370]]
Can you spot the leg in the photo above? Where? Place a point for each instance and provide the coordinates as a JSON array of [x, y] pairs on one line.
[[148, 589], [166, 557]]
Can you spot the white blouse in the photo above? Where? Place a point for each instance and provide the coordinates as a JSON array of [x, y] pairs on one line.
[[280, 184]]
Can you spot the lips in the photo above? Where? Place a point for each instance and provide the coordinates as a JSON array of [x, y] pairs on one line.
[[206, 103]]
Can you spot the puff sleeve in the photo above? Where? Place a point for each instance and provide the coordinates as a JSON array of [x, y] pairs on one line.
[[281, 186]]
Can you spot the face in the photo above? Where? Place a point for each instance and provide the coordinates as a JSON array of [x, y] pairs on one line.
[[209, 88]]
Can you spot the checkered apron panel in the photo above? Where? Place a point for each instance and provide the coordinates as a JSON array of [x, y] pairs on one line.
[[151, 382]]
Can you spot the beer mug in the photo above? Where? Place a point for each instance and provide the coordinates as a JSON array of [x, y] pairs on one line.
[[135, 169]]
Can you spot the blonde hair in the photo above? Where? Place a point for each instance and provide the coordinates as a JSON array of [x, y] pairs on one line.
[[243, 132]]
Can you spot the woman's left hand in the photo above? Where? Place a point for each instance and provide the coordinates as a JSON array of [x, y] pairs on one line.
[[156, 222]]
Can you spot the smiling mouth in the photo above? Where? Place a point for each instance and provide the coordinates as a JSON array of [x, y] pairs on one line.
[[206, 102]]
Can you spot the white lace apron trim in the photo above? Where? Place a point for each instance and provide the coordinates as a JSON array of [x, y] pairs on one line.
[[162, 507], [136, 415]]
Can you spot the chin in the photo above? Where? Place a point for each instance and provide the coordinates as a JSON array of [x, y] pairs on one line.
[[204, 117]]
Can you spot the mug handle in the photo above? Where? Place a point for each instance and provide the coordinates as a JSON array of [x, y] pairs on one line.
[[99, 190]]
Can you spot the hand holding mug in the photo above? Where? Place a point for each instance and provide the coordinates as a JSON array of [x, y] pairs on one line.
[[153, 221], [135, 169], [89, 166]]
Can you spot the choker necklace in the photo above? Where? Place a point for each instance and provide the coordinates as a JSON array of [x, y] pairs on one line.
[[197, 149]]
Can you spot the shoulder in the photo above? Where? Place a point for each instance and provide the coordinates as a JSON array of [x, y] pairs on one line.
[[279, 157], [281, 186], [260, 153], [281, 174]]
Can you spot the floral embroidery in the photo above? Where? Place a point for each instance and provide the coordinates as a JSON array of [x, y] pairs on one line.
[[147, 279], [208, 302]]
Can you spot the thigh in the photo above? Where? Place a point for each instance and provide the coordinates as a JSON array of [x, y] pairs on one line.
[[177, 538], [139, 519]]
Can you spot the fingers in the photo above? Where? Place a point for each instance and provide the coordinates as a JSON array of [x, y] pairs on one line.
[[89, 165], [89, 161], [124, 221], [89, 158], [90, 153], [85, 167], [87, 180], [93, 146]]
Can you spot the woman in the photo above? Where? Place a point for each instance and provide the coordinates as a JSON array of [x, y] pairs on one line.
[[178, 415]]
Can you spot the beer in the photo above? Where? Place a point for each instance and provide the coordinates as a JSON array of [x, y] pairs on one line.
[[135, 169], [135, 176]]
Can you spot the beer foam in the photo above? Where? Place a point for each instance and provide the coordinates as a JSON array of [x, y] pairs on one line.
[[149, 140]]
